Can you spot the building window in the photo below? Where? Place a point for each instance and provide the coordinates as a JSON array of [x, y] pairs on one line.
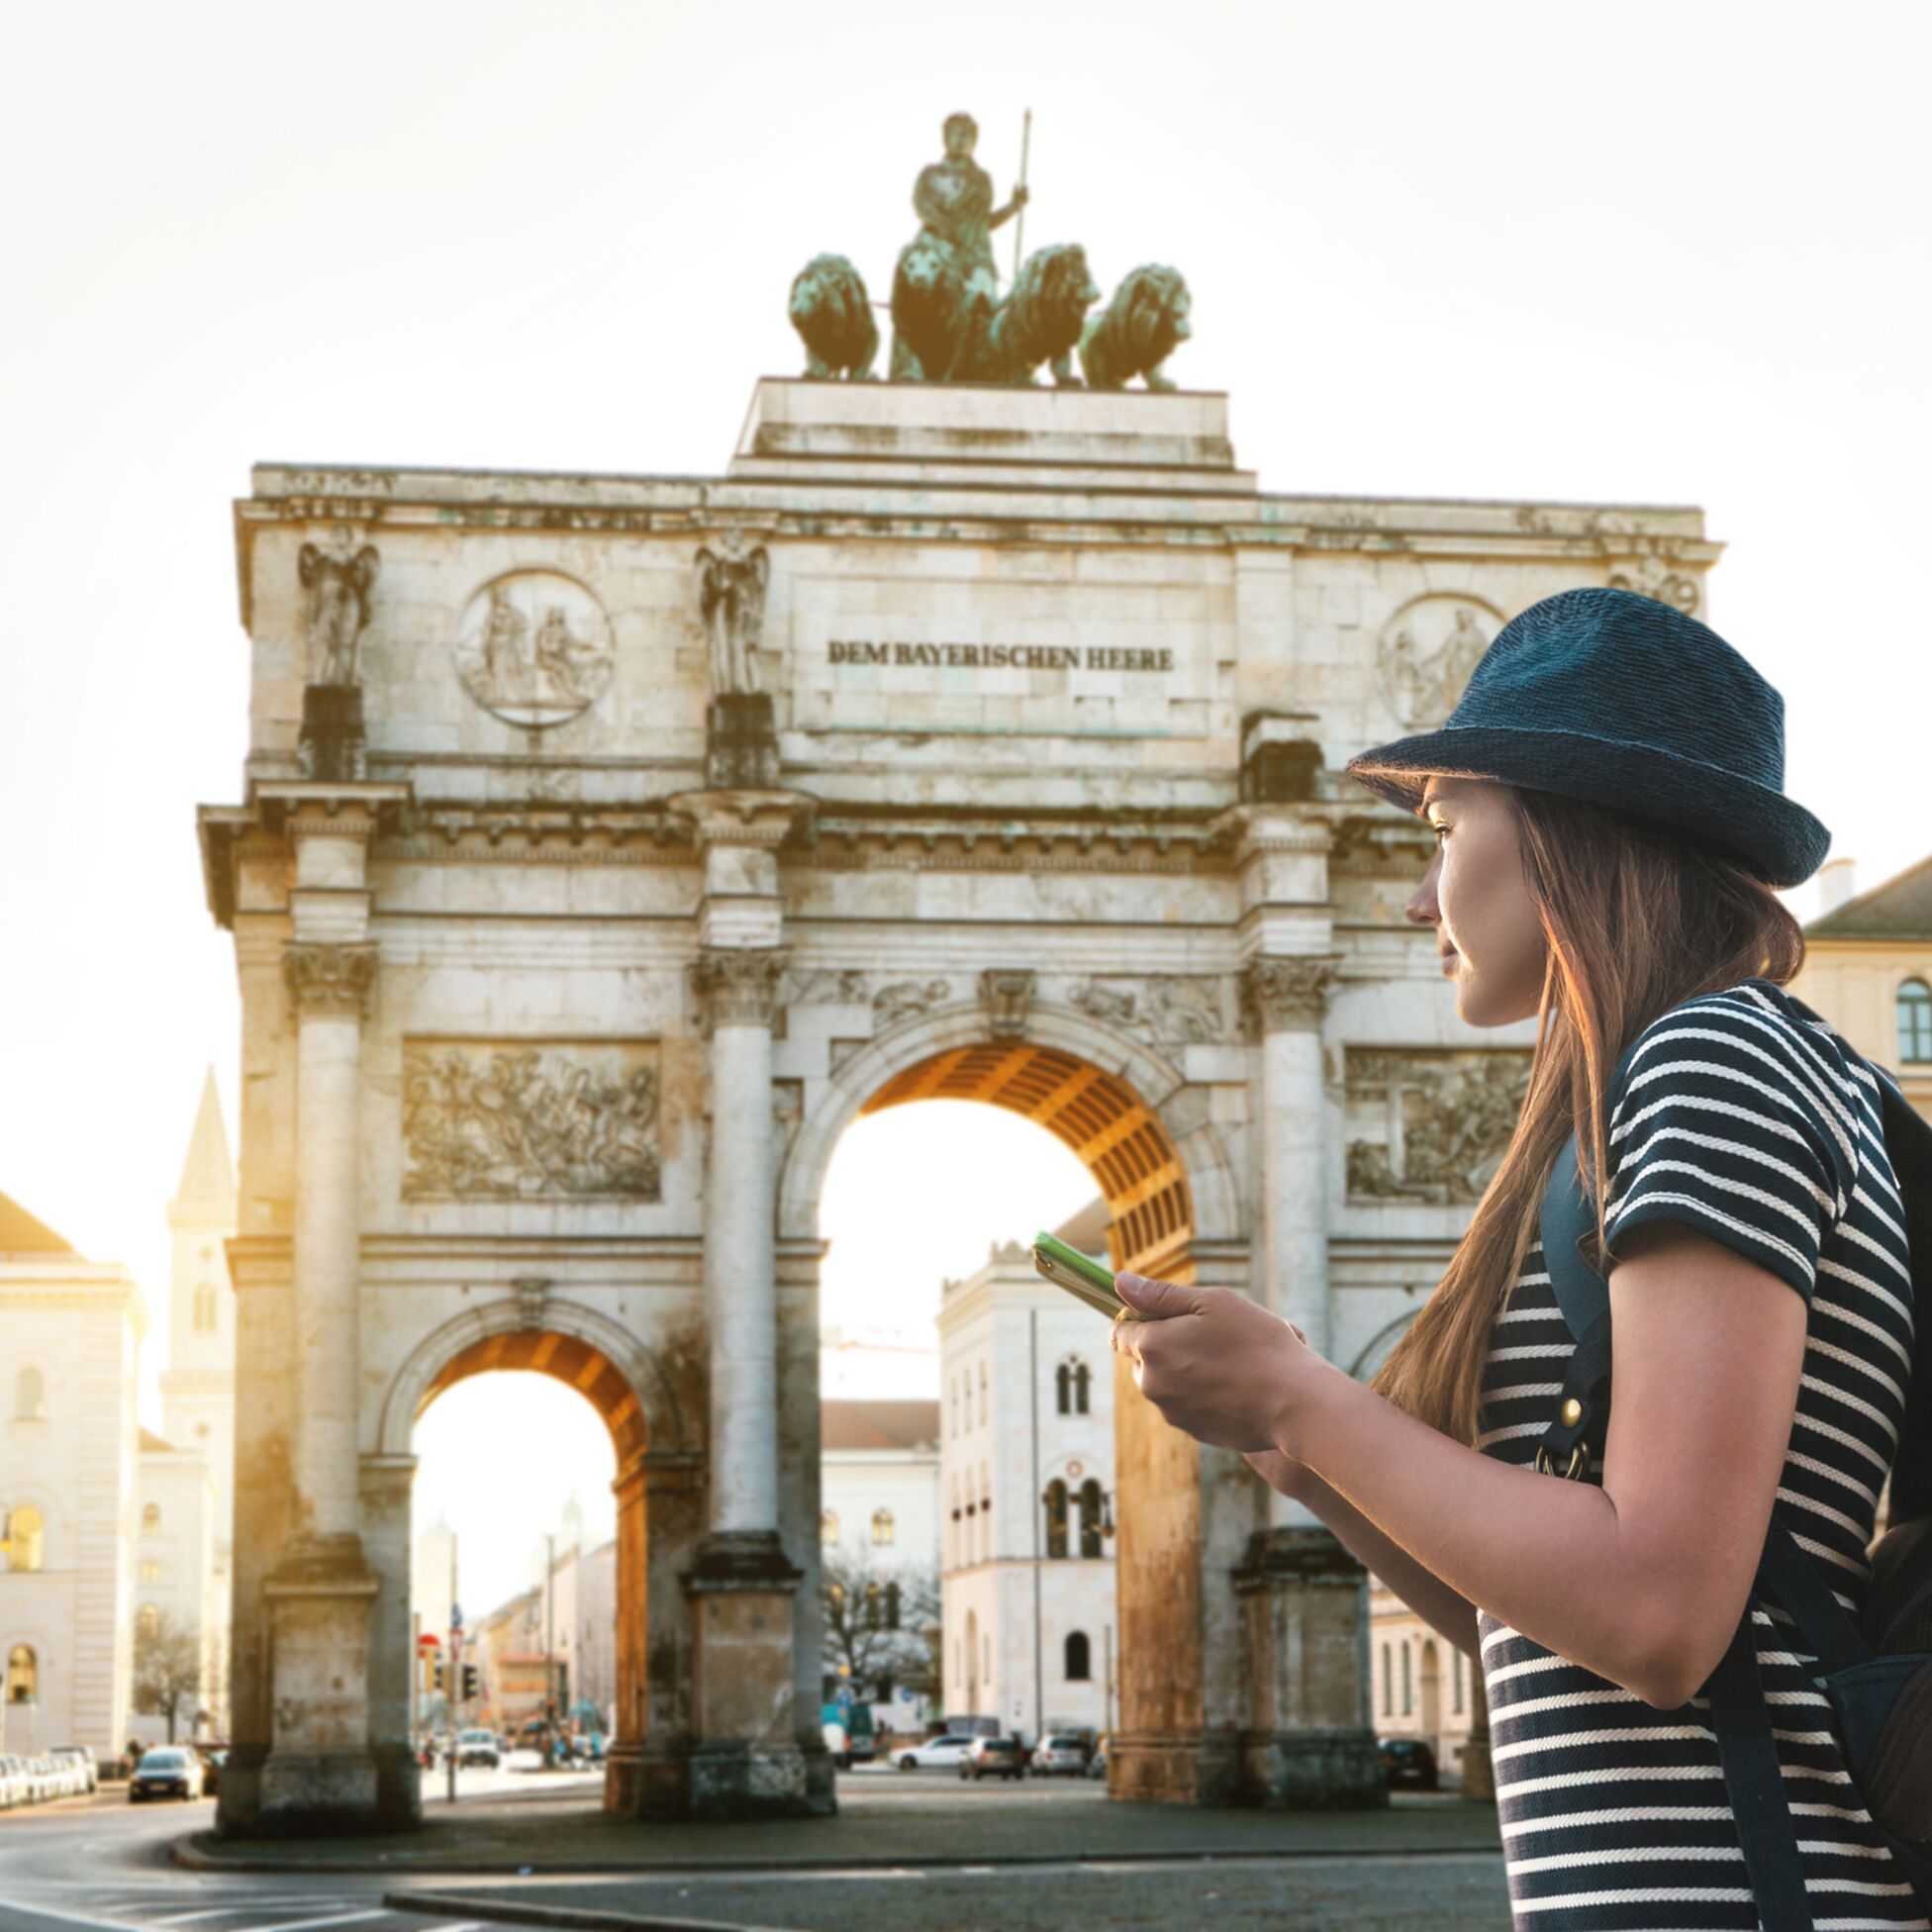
[[30, 1397], [151, 1519], [1408, 1696], [982, 1392], [205, 1315], [26, 1538], [1915, 1022], [150, 1571], [147, 1623], [892, 1606], [829, 1527], [1083, 1379], [952, 1403], [1072, 1387], [1080, 1658], [23, 1675], [875, 1606], [882, 1526], [1056, 1517], [1092, 1529], [1459, 1677], [1388, 1683]]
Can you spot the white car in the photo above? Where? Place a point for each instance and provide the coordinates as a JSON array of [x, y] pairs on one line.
[[1063, 1753], [13, 1784], [946, 1753]]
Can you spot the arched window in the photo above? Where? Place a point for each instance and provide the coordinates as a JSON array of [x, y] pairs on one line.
[[26, 1538], [986, 1509], [829, 1527], [1409, 1691], [1388, 1683], [874, 1606], [150, 1571], [1915, 1022], [30, 1397], [882, 1526], [1083, 1379], [151, 1519], [23, 1675], [982, 1392], [892, 1606], [1090, 1516], [147, 1623], [837, 1595], [1080, 1658], [205, 1316], [1063, 1390], [1056, 1517]]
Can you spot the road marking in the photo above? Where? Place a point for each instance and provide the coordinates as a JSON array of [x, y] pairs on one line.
[[308, 1924]]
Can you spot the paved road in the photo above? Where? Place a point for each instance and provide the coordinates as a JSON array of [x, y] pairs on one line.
[[103, 1864]]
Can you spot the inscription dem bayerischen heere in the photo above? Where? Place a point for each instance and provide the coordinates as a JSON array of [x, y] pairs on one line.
[[1022, 657]]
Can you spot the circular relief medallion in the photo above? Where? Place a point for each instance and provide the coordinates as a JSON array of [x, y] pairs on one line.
[[535, 648], [1427, 650]]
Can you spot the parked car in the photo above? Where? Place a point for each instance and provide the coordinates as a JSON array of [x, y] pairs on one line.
[[942, 1753], [478, 1748], [84, 1760], [213, 1756], [1062, 1752], [995, 1757], [14, 1787], [168, 1771], [1408, 1761]]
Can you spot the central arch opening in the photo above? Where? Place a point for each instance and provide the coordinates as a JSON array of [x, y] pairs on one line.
[[541, 1538]]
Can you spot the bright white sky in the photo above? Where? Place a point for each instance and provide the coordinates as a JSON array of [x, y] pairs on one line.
[[1629, 250]]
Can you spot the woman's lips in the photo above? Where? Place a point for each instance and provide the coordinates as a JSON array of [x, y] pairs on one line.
[[1448, 959]]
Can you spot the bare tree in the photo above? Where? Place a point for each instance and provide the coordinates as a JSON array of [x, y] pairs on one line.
[[877, 1619], [167, 1670]]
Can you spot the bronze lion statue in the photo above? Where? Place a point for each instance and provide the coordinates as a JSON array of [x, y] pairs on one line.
[[1040, 318], [930, 318], [1137, 330], [832, 314]]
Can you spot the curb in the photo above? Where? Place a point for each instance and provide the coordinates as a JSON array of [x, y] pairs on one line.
[[448, 1905]]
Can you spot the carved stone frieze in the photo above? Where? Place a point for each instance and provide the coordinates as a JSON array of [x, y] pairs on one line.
[[1430, 1126], [825, 984], [531, 1120], [737, 986], [1006, 992], [1657, 574], [1289, 991], [1166, 1010], [335, 978], [904, 998], [1426, 652], [535, 648]]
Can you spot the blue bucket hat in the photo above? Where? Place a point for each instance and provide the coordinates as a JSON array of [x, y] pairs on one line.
[[1611, 697]]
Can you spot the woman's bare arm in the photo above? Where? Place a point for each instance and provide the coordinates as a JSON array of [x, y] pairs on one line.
[[1419, 1588]]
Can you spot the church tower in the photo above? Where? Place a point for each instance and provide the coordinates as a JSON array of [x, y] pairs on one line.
[[198, 1383]]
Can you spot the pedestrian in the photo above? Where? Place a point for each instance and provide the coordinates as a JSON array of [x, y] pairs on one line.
[[1607, 803]]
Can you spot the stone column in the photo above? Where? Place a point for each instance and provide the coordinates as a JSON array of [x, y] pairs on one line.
[[321, 1775], [386, 1484], [746, 1761]]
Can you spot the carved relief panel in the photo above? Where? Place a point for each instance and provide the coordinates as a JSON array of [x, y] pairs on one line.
[[1427, 650], [535, 648], [530, 1120], [1429, 1125]]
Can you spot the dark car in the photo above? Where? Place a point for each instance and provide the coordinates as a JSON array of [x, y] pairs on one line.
[[995, 1757], [1408, 1761], [171, 1771]]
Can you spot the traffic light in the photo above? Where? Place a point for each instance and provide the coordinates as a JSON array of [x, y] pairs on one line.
[[471, 1685], [437, 1679]]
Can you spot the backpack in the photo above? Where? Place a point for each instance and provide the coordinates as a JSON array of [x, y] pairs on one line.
[[1876, 1671]]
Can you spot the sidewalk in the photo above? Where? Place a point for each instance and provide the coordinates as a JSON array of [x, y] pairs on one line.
[[892, 1824]]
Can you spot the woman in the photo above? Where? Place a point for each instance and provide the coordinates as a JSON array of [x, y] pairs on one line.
[[1608, 804]]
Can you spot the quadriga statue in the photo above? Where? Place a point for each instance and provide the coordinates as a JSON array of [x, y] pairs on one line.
[[832, 314], [930, 320], [1135, 334], [1042, 320]]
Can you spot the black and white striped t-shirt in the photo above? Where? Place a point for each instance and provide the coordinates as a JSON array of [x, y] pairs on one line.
[[1743, 1114]]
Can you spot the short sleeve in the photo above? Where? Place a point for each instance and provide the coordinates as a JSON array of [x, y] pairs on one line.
[[1731, 1119]]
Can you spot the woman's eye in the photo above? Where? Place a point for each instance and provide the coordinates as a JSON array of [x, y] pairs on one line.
[[1439, 830]]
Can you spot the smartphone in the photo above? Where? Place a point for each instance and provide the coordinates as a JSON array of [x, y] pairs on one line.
[[1081, 1275]]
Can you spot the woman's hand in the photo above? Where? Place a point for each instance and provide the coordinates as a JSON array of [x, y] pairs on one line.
[[1217, 1364]]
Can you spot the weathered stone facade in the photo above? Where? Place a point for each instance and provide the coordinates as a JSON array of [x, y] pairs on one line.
[[563, 979]]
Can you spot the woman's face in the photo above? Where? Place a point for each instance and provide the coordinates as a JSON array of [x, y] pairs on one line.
[[1475, 896]]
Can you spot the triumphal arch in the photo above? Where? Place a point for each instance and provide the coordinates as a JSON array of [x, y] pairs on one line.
[[611, 843]]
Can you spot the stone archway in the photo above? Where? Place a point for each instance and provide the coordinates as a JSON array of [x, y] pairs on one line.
[[656, 1489], [1129, 1114]]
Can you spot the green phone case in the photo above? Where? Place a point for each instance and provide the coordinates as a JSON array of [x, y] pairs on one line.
[[1080, 1275]]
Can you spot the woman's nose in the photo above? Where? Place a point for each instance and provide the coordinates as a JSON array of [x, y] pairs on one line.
[[1421, 907]]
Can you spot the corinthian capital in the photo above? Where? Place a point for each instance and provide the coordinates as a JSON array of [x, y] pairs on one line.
[[329, 979], [1286, 991], [737, 986]]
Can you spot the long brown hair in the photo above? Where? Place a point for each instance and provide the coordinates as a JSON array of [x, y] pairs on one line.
[[1637, 916]]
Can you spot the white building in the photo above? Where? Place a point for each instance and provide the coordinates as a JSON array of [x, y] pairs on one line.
[[70, 1333], [879, 1482], [177, 1585], [1424, 1686], [1026, 1489]]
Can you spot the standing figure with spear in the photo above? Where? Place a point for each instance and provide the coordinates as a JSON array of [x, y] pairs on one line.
[[953, 198]]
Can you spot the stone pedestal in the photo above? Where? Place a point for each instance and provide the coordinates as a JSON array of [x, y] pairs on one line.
[[333, 744], [748, 1760], [740, 742], [320, 1778], [1311, 1742]]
